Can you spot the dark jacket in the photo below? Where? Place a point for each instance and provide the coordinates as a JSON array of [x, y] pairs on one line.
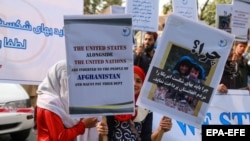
[[143, 61], [235, 78]]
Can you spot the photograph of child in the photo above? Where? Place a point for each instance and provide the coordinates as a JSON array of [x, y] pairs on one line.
[[188, 69], [224, 23]]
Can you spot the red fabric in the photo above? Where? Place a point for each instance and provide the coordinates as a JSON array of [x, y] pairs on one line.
[[123, 117], [142, 75], [139, 71], [127, 116], [50, 127]]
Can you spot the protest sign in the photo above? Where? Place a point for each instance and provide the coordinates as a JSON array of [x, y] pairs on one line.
[[100, 64], [144, 14], [230, 109], [32, 37], [240, 17], [170, 91], [116, 9], [224, 17], [186, 8]]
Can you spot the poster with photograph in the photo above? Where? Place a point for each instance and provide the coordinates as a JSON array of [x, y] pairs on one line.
[[224, 17], [99, 60], [186, 70]]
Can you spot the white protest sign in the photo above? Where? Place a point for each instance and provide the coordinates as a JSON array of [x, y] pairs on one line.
[[144, 14], [32, 37], [116, 9], [100, 66], [240, 17], [186, 8], [186, 98]]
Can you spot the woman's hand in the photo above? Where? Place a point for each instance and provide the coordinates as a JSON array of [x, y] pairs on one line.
[[90, 122], [102, 128], [165, 124], [222, 89]]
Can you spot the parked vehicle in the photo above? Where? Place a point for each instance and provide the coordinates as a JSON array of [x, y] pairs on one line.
[[16, 112]]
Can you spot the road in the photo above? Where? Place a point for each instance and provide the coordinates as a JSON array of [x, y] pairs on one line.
[[32, 137]]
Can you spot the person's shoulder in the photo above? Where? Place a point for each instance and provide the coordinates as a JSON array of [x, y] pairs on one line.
[[61, 62], [60, 65]]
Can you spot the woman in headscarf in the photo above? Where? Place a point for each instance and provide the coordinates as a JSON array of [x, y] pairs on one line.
[[136, 127], [52, 114]]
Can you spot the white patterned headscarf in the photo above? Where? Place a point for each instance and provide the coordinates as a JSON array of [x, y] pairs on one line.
[[53, 95]]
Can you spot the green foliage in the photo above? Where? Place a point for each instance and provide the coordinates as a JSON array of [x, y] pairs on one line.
[[207, 12], [167, 8], [97, 6]]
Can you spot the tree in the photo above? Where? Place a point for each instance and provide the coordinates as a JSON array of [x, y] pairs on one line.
[[97, 6], [208, 12], [167, 8]]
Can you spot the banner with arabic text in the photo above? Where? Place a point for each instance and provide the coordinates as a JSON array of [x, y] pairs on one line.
[[32, 37]]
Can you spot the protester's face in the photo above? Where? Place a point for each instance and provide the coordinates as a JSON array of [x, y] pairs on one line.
[[240, 48], [184, 69], [230, 56], [194, 73], [148, 40], [137, 83]]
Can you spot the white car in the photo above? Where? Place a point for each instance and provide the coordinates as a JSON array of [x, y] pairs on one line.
[[16, 112]]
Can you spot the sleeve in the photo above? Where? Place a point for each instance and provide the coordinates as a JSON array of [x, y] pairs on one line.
[[147, 128], [248, 67], [246, 56], [57, 130], [137, 60]]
